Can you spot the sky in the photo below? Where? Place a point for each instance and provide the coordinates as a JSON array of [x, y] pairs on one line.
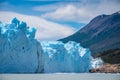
[[56, 19]]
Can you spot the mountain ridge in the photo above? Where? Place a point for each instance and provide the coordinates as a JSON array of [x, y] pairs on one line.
[[100, 34]]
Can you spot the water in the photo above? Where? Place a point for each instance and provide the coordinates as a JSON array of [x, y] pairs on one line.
[[61, 76]]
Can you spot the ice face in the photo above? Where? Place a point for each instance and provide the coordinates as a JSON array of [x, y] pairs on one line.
[[20, 52], [69, 57], [97, 62]]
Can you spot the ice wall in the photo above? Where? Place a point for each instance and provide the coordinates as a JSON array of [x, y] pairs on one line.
[[19, 50], [69, 57]]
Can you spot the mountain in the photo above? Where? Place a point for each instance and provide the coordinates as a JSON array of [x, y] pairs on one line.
[[111, 56], [100, 34]]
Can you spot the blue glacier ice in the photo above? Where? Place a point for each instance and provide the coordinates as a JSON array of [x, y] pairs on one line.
[[69, 57], [20, 52]]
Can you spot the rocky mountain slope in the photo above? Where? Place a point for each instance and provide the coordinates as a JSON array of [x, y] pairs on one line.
[[100, 34]]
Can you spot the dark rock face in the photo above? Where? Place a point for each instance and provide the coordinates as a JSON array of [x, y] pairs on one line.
[[100, 34], [111, 56]]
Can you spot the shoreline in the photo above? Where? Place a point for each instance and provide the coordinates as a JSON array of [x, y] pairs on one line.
[[107, 68]]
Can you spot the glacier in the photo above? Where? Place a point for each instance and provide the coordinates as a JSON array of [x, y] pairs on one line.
[[20, 52], [69, 57]]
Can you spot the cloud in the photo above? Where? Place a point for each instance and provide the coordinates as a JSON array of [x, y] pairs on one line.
[[46, 30], [44, 8], [83, 11]]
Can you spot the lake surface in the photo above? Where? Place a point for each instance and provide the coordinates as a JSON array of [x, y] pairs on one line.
[[61, 76]]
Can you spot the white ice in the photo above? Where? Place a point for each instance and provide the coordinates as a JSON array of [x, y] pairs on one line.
[[20, 52]]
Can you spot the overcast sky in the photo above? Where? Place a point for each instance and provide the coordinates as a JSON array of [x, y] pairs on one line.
[[55, 19]]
